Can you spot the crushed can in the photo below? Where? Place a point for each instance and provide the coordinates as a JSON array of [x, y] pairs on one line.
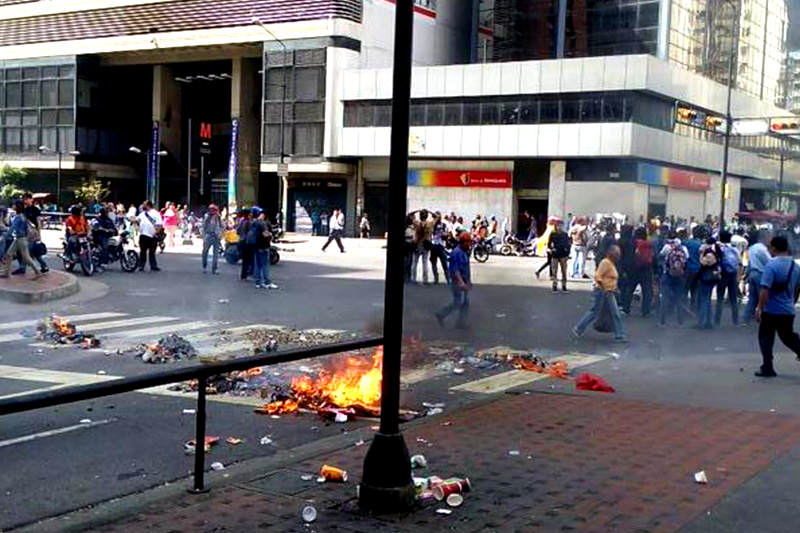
[[418, 461], [331, 473], [309, 514], [450, 486]]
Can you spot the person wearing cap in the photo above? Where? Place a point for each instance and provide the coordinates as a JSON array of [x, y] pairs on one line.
[[606, 279], [558, 249], [260, 238], [461, 282], [212, 233]]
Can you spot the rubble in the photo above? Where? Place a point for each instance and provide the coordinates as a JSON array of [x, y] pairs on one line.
[[62, 331], [269, 339], [168, 349]]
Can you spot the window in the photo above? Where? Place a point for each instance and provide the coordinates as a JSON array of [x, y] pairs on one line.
[[490, 113], [309, 83], [591, 110], [452, 114], [13, 95], [366, 116], [417, 115], [529, 113], [509, 112], [383, 115], [30, 73], [471, 113], [549, 111], [308, 139], [30, 94], [49, 94], [434, 115], [66, 93], [570, 110]]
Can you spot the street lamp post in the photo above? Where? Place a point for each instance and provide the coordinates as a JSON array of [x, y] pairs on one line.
[[281, 179], [160, 153], [386, 485], [45, 150], [728, 117]]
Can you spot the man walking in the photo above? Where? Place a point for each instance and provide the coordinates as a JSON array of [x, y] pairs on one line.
[[337, 227], [438, 253], [579, 234], [558, 248], [19, 231], [775, 311], [461, 283], [729, 280], [606, 279], [212, 232], [261, 238], [758, 259], [150, 224]]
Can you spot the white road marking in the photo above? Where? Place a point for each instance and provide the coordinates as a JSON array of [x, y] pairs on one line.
[[51, 376], [72, 318], [515, 378], [159, 330], [53, 432], [100, 326], [162, 390]]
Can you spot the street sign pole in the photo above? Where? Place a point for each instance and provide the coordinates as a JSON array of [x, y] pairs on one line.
[[386, 485], [189, 169]]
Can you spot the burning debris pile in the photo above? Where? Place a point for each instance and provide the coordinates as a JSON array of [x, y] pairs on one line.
[[62, 331], [170, 348], [268, 340], [347, 387]]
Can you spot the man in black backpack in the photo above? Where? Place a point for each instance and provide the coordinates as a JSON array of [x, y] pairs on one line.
[[559, 248]]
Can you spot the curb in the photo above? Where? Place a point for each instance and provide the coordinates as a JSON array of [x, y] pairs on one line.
[[22, 296]]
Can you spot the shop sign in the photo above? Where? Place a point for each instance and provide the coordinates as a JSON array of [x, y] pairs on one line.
[[476, 179], [673, 177], [233, 162]]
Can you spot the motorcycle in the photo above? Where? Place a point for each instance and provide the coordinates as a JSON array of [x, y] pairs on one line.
[[513, 245], [82, 256], [233, 255], [128, 259]]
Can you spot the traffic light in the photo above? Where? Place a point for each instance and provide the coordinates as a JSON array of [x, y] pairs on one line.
[[714, 123], [785, 126], [686, 115]]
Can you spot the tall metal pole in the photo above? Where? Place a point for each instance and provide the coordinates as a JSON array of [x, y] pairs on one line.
[[386, 485], [58, 180], [728, 117], [189, 169], [780, 180]]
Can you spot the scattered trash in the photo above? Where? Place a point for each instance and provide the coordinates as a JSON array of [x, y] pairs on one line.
[[418, 461], [86, 421], [591, 382], [340, 418], [189, 411], [434, 411], [444, 511], [40, 350], [305, 369], [306, 477], [101, 372], [700, 477], [772, 410], [332, 473], [217, 466], [265, 441], [223, 301], [446, 424], [458, 370], [513, 452], [62, 331], [168, 349], [538, 364], [233, 441], [190, 445], [275, 417], [321, 479], [432, 405], [360, 442], [450, 486], [455, 500], [309, 514]]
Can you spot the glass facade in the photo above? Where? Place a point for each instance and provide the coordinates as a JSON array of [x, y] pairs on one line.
[[302, 74], [38, 107], [611, 27]]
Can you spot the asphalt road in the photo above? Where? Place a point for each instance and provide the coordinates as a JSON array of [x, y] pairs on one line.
[[53, 463]]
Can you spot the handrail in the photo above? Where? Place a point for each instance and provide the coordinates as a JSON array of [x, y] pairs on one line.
[[30, 402]]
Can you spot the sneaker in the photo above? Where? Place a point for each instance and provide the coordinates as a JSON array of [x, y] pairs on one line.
[[621, 340], [761, 373], [45, 270], [575, 333], [271, 287], [564, 289], [205, 271], [555, 289], [259, 286], [18, 272]]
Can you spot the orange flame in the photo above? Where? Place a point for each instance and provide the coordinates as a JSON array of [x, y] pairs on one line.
[[558, 369], [62, 326], [355, 383]]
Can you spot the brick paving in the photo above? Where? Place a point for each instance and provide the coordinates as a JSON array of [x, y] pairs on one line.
[[586, 462]]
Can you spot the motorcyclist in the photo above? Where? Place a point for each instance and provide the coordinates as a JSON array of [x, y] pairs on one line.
[[103, 228], [76, 226]]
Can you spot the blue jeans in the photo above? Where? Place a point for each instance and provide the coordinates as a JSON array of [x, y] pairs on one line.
[[460, 303], [704, 304], [672, 294], [728, 284], [754, 288], [600, 296], [262, 267], [579, 262], [211, 242]]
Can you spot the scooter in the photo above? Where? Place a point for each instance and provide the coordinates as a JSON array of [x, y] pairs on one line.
[[128, 259], [513, 245], [82, 256]]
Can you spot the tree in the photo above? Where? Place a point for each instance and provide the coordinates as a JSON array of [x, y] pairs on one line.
[[91, 190], [11, 180]]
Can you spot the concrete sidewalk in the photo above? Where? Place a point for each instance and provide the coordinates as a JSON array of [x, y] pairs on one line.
[[537, 462]]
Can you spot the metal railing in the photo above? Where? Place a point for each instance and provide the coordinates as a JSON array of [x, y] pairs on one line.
[[202, 372]]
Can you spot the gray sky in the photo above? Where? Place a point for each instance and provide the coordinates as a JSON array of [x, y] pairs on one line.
[[794, 25]]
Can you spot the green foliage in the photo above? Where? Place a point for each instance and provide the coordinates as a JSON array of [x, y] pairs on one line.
[[11, 182], [91, 190]]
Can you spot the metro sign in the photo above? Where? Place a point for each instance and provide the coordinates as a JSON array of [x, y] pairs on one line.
[[205, 137]]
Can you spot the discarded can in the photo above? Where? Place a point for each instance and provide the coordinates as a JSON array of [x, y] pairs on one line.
[[418, 461], [309, 514], [425, 496], [217, 466], [466, 484], [455, 500], [433, 481], [450, 486], [331, 473]]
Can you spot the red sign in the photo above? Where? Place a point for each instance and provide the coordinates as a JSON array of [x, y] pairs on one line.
[[485, 179], [205, 130]]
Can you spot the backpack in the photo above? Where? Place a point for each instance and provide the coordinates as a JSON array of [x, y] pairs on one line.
[[253, 234], [644, 253], [676, 261], [730, 260]]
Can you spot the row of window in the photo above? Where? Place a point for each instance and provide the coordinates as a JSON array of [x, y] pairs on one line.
[[617, 106], [27, 140], [37, 93]]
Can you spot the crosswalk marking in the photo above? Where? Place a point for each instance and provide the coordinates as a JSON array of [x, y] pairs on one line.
[[160, 330], [72, 318], [100, 326], [57, 431], [515, 378], [51, 376]]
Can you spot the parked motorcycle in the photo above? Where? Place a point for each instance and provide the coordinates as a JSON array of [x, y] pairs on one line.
[[82, 256], [128, 259], [513, 245]]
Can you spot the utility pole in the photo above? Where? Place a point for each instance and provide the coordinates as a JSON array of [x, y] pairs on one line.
[[386, 485], [728, 117], [189, 169]]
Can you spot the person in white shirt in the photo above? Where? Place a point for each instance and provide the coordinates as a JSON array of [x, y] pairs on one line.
[[150, 226], [337, 228]]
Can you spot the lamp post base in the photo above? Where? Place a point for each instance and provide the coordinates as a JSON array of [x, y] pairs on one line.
[[386, 486]]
